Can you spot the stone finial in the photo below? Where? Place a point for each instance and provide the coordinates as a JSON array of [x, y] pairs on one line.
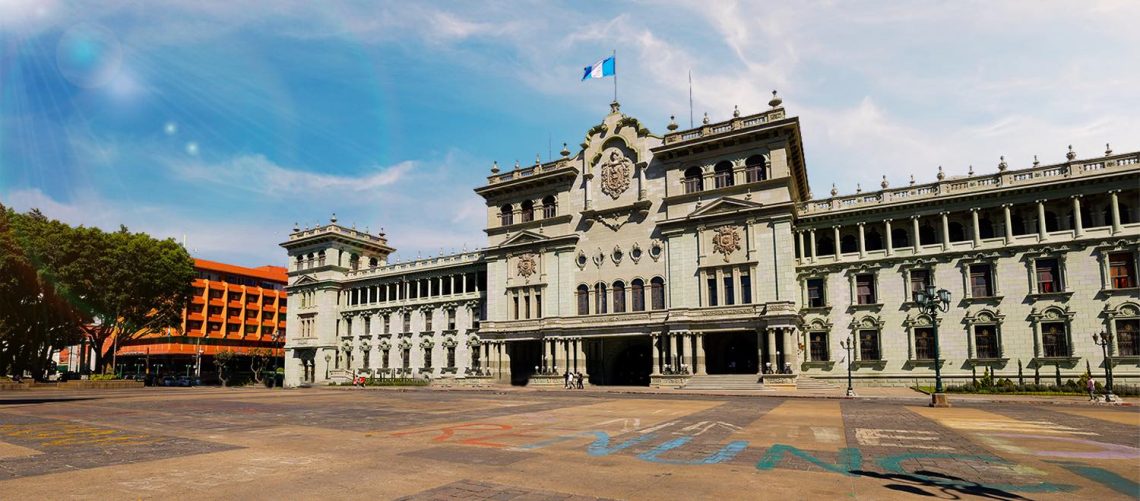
[[296, 227], [672, 123], [912, 179], [1035, 161], [1002, 166], [858, 187], [1071, 155], [565, 151], [1107, 150], [941, 175], [971, 172], [775, 102], [537, 159], [333, 218], [809, 195], [516, 165], [615, 107], [884, 184], [834, 190], [495, 167], [735, 111], [705, 120], [381, 231]]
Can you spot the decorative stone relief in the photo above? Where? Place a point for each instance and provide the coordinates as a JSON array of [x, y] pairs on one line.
[[599, 257], [581, 259], [635, 252], [656, 249], [616, 171], [726, 241], [527, 265], [617, 254]]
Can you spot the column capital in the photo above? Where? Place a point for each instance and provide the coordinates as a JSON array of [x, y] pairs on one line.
[[887, 220], [944, 213], [1041, 201], [1078, 195], [915, 217], [975, 209], [860, 223]]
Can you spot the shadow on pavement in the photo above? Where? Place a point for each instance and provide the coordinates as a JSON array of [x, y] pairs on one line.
[[919, 483]]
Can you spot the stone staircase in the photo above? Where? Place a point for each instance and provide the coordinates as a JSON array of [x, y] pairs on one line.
[[725, 382], [810, 384]]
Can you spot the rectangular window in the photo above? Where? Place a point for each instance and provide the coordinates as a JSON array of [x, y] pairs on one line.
[[712, 291], [981, 280], [745, 288], [387, 324], [407, 322], [1055, 339], [819, 346], [869, 345], [924, 343], [450, 320], [450, 357], [619, 299], [537, 305], [919, 281], [729, 295], [985, 342], [723, 179], [367, 326], [692, 184], [515, 305], [1048, 276], [385, 356], [583, 301], [526, 305], [815, 293], [1122, 270], [406, 358], [1128, 338], [865, 289], [427, 320]]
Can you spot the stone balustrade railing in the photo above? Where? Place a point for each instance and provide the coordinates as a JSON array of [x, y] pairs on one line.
[[736, 123]]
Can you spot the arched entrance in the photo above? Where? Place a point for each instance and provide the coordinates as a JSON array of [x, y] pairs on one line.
[[525, 356], [731, 353]]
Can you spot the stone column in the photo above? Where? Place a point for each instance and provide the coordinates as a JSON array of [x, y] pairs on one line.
[[911, 353], [656, 354], [553, 353], [1078, 226], [569, 353], [800, 242], [793, 347], [812, 249], [1008, 224], [855, 349], [945, 230], [970, 349], [837, 246], [674, 342], [917, 242], [786, 346], [807, 345], [862, 242], [772, 349], [699, 367], [1042, 232], [1115, 212], [890, 241], [977, 231]]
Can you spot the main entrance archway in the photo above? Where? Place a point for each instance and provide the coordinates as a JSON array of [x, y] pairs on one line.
[[525, 356], [619, 361], [731, 353]]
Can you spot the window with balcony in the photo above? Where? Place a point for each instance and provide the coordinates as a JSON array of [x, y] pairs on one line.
[[1048, 276], [693, 182], [722, 175]]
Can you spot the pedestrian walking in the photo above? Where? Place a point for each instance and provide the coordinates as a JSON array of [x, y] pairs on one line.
[[566, 381], [1091, 386], [579, 381]]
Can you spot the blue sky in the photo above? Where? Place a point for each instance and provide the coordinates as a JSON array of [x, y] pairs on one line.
[[226, 122]]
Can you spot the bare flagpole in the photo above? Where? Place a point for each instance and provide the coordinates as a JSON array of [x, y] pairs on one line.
[[690, 98]]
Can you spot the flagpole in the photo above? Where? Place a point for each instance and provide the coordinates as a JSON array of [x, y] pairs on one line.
[[614, 55], [690, 98]]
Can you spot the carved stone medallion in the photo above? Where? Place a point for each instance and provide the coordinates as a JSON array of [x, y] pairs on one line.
[[616, 171], [527, 265], [726, 241]]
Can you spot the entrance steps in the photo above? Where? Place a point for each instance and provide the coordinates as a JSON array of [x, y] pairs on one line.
[[809, 383], [720, 382]]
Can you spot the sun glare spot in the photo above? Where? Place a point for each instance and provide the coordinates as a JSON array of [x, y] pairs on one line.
[[192, 148]]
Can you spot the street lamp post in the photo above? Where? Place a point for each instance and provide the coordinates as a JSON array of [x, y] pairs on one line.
[[1104, 339], [931, 302], [273, 370], [848, 344]]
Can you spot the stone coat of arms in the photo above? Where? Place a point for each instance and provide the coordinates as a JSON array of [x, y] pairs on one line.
[[726, 241], [527, 265], [616, 172]]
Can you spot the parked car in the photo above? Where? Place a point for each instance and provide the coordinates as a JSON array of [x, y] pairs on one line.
[[168, 381], [188, 381]]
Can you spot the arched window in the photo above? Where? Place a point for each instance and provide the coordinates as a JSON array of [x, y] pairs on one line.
[[637, 290], [899, 237], [824, 246], [600, 298], [506, 215], [1051, 221], [527, 211], [957, 231], [619, 297], [873, 241], [583, 300], [1018, 223], [1126, 215], [657, 293], [985, 228], [754, 169], [693, 180], [927, 235], [722, 174], [849, 244], [549, 210]]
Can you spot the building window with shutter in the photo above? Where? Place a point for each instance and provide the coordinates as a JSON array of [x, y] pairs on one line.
[[924, 343], [1122, 270], [981, 280], [869, 345], [1048, 276], [1055, 339], [985, 342], [815, 295], [819, 351], [1128, 338], [865, 289]]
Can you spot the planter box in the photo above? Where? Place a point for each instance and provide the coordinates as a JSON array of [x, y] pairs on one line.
[[669, 381], [780, 381], [547, 380], [114, 384]]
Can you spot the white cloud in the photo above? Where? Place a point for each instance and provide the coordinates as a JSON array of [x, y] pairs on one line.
[[258, 174]]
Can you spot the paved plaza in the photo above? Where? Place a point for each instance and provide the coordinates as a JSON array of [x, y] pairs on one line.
[[202, 443]]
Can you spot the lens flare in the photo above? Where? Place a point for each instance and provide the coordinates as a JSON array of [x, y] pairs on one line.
[[192, 148], [88, 55]]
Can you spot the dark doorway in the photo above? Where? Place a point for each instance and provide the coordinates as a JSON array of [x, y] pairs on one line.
[[525, 355], [731, 353], [619, 361]]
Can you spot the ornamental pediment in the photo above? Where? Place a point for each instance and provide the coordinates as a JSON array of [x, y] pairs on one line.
[[725, 205], [524, 237], [304, 280]]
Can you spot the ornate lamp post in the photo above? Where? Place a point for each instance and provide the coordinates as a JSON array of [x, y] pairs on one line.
[[273, 370], [848, 344], [328, 361], [1104, 339], [931, 302]]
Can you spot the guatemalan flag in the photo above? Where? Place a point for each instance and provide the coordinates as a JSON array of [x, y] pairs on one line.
[[602, 68]]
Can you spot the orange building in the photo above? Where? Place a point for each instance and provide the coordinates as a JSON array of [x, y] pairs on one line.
[[231, 308]]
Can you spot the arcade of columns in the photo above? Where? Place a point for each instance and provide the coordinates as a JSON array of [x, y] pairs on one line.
[[686, 349]]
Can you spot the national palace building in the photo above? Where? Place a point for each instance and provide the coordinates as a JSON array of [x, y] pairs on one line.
[[641, 259]]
